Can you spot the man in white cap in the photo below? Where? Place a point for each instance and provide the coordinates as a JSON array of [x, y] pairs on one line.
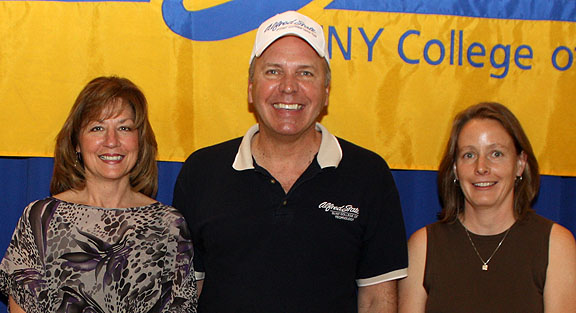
[[290, 218]]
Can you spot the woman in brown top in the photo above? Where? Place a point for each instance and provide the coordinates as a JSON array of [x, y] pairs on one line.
[[489, 252]]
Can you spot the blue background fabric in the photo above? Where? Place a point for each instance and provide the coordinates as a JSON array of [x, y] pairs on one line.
[[27, 179]]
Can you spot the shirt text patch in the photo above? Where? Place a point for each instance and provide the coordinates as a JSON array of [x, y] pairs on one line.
[[345, 212]]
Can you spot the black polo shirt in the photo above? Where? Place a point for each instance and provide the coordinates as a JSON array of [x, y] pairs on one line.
[[259, 249]]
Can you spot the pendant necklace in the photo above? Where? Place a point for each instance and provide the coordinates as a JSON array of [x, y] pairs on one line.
[[485, 263]]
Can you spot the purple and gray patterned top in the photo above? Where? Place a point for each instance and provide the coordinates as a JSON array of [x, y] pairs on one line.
[[68, 257]]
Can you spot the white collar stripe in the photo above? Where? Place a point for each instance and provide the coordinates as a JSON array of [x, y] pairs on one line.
[[329, 154]]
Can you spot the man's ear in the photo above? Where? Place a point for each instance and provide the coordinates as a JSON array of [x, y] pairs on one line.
[[250, 99], [327, 96]]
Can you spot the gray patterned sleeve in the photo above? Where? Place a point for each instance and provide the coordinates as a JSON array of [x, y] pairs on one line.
[[22, 269], [179, 268]]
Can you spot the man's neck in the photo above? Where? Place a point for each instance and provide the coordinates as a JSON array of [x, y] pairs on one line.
[[283, 158]]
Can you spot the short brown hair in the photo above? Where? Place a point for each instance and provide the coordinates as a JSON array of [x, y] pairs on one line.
[[93, 101], [525, 190]]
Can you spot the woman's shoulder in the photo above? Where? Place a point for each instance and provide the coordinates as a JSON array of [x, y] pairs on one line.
[[418, 239], [562, 236], [531, 215], [43, 202], [442, 227], [560, 239], [38, 207], [167, 209], [421, 235], [167, 214], [535, 223]]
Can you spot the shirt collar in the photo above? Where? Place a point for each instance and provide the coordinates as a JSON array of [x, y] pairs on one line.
[[329, 154]]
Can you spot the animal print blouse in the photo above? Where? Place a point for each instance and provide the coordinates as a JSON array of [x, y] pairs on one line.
[[68, 257]]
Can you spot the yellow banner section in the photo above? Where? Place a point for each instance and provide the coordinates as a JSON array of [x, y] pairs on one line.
[[398, 79]]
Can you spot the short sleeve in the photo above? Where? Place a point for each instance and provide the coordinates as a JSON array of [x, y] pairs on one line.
[[183, 201], [22, 269], [384, 254], [179, 274]]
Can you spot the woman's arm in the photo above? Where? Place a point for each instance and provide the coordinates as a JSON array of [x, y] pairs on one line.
[[560, 290], [412, 295], [14, 307]]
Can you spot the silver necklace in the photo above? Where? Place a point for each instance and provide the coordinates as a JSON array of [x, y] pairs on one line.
[[485, 263]]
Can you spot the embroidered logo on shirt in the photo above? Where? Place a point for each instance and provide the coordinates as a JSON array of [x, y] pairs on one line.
[[345, 212]]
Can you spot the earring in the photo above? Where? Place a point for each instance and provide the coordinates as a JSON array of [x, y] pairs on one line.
[[518, 179], [455, 181]]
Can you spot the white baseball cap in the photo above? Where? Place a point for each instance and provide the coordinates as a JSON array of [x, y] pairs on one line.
[[290, 23]]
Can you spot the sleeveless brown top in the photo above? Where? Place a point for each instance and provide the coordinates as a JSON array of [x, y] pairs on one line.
[[514, 281]]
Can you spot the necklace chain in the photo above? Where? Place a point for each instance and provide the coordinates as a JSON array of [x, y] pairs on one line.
[[485, 263]]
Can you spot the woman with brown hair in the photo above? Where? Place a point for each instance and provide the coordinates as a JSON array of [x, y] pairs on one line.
[[489, 251], [101, 243]]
